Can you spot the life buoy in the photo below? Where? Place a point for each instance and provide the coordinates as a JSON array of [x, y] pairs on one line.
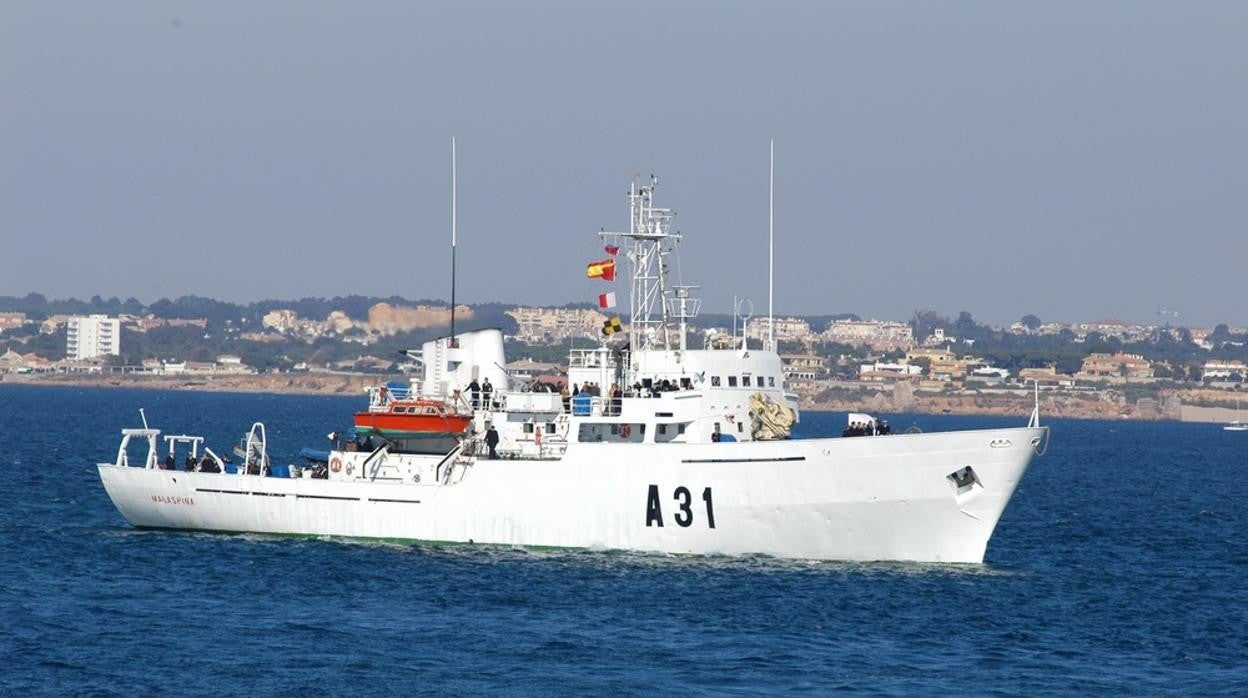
[[335, 464], [625, 431]]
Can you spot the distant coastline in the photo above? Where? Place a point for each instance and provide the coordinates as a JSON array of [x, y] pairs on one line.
[[1052, 404], [278, 384]]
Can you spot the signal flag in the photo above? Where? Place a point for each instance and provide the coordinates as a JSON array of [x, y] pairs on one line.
[[604, 270]]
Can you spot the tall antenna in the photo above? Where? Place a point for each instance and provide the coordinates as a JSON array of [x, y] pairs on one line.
[[453, 224], [771, 249]]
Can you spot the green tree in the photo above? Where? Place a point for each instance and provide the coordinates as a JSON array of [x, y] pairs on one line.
[[1031, 322], [965, 324], [925, 321]]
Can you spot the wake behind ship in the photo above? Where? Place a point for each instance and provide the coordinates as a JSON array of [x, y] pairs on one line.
[[667, 449]]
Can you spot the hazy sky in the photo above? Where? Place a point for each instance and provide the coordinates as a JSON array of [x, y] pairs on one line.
[[1076, 160]]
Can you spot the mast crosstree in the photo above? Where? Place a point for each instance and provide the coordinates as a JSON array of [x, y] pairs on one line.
[[653, 302]]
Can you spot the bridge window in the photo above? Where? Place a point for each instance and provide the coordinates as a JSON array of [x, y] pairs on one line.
[[592, 433], [771, 381], [758, 381], [668, 432], [732, 381], [714, 381]]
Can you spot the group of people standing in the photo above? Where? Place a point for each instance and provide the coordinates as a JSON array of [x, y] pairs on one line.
[[877, 428], [658, 386], [207, 464], [652, 388], [482, 394], [581, 395]]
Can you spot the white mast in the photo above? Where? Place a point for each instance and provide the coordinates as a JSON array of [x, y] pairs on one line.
[[651, 239], [771, 249], [453, 225]]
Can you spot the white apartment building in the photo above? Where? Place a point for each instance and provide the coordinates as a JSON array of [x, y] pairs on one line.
[[95, 335], [878, 335], [1215, 369], [787, 328], [556, 324]]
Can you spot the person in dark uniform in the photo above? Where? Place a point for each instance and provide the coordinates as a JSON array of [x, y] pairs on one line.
[[716, 436], [487, 394], [170, 463], [474, 391], [190, 462], [208, 465], [491, 441]]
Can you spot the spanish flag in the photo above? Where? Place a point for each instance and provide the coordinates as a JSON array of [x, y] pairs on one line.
[[604, 270], [612, 326]]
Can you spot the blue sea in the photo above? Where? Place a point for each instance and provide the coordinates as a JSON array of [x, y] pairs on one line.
[[1119, 567]]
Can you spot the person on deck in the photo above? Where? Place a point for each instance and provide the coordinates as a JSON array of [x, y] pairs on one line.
[[491, 441], [716, 436], [190, 462], [170, 463], [208, 465], [566, 397], [487, 394], [474, 391]]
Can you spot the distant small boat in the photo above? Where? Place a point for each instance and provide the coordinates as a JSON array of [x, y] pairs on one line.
[[1235, 424]]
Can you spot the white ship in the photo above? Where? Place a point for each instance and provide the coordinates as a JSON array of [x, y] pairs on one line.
[[694, 457]]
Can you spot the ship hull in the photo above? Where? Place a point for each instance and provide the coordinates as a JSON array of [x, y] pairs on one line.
[[900, 497]]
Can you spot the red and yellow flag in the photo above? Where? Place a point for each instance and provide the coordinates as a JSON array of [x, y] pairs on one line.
[[604, 269]]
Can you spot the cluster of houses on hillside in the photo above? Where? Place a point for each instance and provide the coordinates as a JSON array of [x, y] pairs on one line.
[[936, 361], [17, 363], [383, 320], [941, 367]]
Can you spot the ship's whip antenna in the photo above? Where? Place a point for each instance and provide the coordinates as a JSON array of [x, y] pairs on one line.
[[453, 224], [143, 417], [1035, 412], [771, 249]]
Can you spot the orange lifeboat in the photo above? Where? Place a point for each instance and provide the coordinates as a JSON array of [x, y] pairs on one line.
[[417, 418]]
